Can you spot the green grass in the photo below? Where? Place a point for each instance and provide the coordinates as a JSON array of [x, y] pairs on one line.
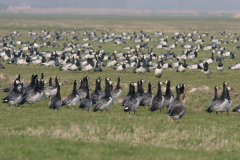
[[35, 132]]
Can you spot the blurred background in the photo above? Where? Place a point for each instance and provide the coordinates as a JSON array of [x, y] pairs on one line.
[[221, 8]]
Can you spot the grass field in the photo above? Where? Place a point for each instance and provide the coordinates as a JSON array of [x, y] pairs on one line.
[[36, 132]]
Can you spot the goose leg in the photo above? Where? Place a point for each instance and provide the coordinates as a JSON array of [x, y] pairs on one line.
[[216, 112], [180, 121], [172, 120], [134, 112]]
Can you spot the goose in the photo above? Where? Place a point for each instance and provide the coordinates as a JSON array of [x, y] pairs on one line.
[[235, 66], [32, 96], [208, 60], [141, 68], [31, 86], [121, 67], [140, 90], [182, 67], [176, 64], [89, 66], [220, 103], [158, 100], [194, 66], [56, 101], [207, 71], [106, 101], [215, 98], [96, 95], [237, 109], [82, 91], [86, 103], [147, 97], [168, 97], [133, 102], [183, 86], [14, 97], [112, 62], [117, 92], [176, 100], [51, 90], [179, 110], [125, 98], [97, 68], [73, 98], [11, 87], [220, 66], [229, 106], [159, 70]]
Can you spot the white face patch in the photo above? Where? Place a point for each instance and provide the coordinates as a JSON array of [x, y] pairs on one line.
[[126, 108]]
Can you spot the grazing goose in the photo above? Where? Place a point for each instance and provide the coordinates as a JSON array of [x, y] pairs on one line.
[[32, 96], [158, 100], [56, 101], [117, 92], [237, 109], [220, 103], [96, 95], [208, 60], [207, 71], [147, 97], [141, 68], [194, 66], [73, 98], [51, 90], [229, 106], [220, 66], [159, 70], [133, 102], [182, 67], [105, 101], [179, 110], [14, 97], [112, 62], [168, 97], [11, 87], [121, 67], [235, 66], [87, 102]]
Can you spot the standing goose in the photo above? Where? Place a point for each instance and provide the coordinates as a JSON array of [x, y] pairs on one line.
[[56, 101], [215, 96], [229, 106], [86, 103], [220, 103], [96, 95], [147, 97], [207, 71], [168, 97], [105, 101], [179, 110], [158, 100], [73, 98], [176, 100], [159, 70], [117, 92], [31, 86], [11, 87], [133, 102], [51, 90], [82, 91], [220, 66], [183, 86], [32, 96], [140, 90], [14, 97], [125, 98]]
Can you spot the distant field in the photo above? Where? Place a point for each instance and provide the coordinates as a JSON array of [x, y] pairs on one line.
[[36, 132]]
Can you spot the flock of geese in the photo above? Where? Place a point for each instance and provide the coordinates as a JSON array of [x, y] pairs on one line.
[[102, 100], [82, 56]]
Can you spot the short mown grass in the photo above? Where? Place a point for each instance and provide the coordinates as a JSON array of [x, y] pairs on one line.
[[36, 132]]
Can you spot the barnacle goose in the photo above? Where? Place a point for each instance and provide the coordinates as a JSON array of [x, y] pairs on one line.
[[220, 66], [96, 95], [158, 100], [14, 97], [182, 67], [168, 97], [73, 98], [87, 102], [51, 90], [82, 91], [159, 70], [147, 97], [133, 102], [117, 92], [194, 66], [11, 87], [178, 110], [106, 101], [56, 101]]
